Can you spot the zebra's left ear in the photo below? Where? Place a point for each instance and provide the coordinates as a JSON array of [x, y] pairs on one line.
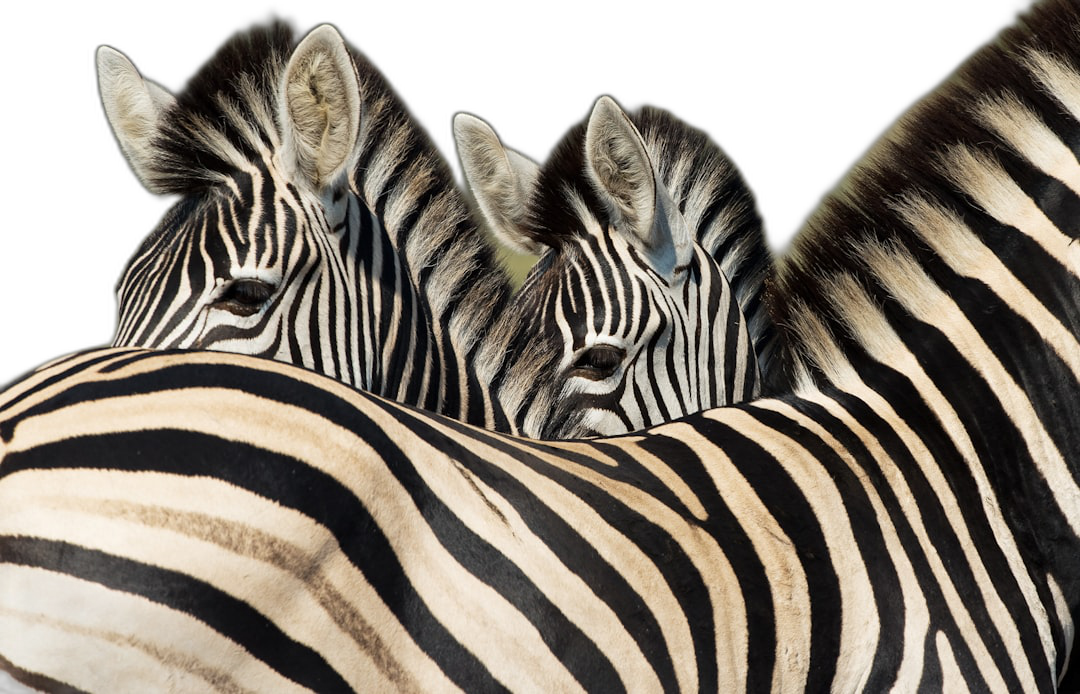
[[618, 165], [501, 181], [319, 107], [133, 107]]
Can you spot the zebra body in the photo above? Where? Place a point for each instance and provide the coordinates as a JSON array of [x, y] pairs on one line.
[[638, 222], [907, 517], [357, 258]]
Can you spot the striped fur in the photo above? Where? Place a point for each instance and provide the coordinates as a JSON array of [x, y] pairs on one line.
[[377, 275], [907, 518], [677, 339], [360, 263]]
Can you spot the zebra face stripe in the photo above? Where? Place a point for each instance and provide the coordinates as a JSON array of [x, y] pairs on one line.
[[635, 348], [628, 301], [297, 254], [210, 244]]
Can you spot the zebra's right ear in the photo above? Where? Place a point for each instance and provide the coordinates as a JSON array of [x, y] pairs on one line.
[[501, 180], [622, 173], [319, 108], [133, 107]]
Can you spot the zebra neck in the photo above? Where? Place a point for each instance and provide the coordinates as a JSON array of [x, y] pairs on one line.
[[394, 349], [943, 278], [460, 287]]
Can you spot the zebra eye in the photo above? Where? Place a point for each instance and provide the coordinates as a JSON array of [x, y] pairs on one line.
[[244, 297], [598, 362]]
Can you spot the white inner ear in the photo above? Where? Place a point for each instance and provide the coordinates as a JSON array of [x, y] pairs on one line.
[[501, 180], [320, 108], [619, 167], [621, 171], [133, 107]]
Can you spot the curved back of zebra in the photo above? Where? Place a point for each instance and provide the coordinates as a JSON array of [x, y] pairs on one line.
[[317, 222], [639, 221]]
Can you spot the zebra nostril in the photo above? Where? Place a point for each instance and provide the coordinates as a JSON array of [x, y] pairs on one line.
[[245, 296]]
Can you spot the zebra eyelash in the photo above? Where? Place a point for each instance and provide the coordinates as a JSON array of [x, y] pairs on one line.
[[244, 296], [598, 362]]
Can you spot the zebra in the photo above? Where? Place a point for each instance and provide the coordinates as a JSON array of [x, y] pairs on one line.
[[904, 517], [360, 260], [317, 223], [638, 222]]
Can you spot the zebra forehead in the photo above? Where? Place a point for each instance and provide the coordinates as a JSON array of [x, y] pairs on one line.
[[561, 193], [224, 116], [254, 209]]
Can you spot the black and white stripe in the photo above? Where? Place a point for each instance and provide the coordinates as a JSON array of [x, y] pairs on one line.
[[355, 257], [358, 258], [907, 517], [639, 222]]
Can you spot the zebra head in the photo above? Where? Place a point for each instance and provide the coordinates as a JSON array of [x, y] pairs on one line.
[[636, 315], [270, 250]]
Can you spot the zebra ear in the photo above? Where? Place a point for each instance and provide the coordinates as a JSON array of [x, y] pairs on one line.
[[501, 180], [618, 165], [133, 107], [319, 107]]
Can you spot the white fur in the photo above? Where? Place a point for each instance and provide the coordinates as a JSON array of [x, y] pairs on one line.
[[133, 107], [319, 108], [1056, 77], [1061, 607], [501, 180]]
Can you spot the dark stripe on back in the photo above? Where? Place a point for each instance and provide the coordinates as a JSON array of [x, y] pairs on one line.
[[230, 617], [868, 532], [793, 513], [74, 366], [572, 549]]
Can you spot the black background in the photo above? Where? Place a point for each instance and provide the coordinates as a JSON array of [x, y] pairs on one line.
[[794, 96]]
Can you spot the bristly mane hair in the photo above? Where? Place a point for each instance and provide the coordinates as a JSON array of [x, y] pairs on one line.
[[233, 95], [227, 115], [865, 212], [708, 189]]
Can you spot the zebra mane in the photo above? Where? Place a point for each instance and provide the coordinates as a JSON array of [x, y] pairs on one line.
[[956, 140], [226, 116], [699, 176], [719, 206], [707, 187]]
